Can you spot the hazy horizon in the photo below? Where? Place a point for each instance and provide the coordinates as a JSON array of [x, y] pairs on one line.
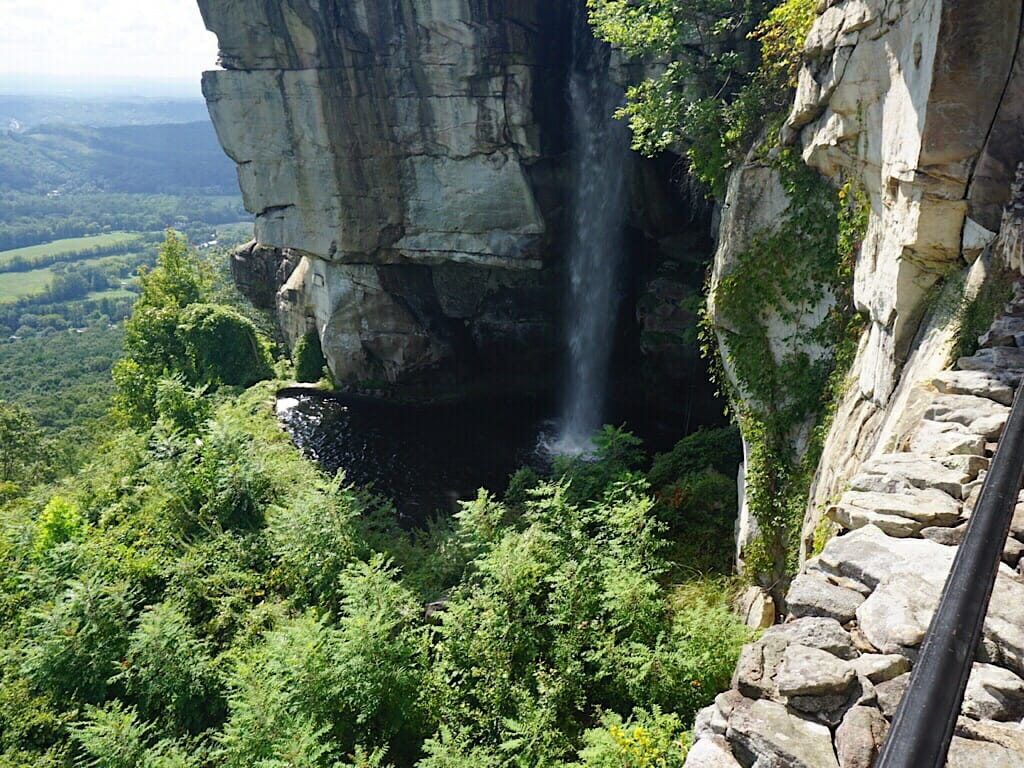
[[104, 48]]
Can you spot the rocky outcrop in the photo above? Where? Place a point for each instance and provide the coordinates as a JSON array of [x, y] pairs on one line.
[[414, 157], [891, 96], [858, 612], [918, 104]]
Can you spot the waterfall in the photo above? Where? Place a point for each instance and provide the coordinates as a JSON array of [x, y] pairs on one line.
[[600, 147]]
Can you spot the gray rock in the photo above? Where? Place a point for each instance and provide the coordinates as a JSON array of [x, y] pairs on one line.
[[889, 694], [969, 465], [767, 733], [1012, 551], [897, 614], [993, 693], [881, 667], [852, 517], [937, 439], [757, 665], [964, 753], [1002, 332], [1006, 735], [757, 608], [1017, 524], [817, 632], [949, 537], [859, 737], [929, 507], [812, 672], [812, 595], [919, 471], [711, 752], [709, 722], [907, 576], [978, 383], [978, 414]]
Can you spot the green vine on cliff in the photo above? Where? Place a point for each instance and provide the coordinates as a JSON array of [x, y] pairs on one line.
[[783, 404]]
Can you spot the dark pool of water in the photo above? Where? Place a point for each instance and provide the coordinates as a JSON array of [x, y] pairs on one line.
[[426, 457]]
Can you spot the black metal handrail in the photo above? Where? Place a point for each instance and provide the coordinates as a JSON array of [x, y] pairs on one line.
[[926, 717]]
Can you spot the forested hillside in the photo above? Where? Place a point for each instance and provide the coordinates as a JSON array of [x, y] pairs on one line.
[[201, 595]]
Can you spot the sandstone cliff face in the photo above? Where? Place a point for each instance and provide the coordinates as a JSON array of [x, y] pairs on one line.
[[919, 103], [413, 156]]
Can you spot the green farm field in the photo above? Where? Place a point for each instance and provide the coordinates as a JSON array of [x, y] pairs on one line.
[[16, 285], [68, 245]]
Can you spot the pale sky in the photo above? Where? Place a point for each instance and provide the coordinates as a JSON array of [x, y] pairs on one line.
[[146, 39]]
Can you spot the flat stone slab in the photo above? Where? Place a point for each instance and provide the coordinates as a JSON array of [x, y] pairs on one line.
[[1006, 735], [965, 753], [813, 672], [898, 514], [859, 737], [711, 752], [978, 383], [919, 471], [945, 438], [766, 732], [979, 414], [907, 576], [993, 693], [813, 595], [880, 667]]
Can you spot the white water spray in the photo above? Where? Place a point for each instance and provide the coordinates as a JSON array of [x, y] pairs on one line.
[[600, 151]]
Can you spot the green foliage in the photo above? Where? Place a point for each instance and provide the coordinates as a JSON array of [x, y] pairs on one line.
[[647, 740], [114, 737], [168, 673], [61, 520], [174, 329], [617, 455], [718, 449], [206, 597], [785, 275], [309, 358], [717, 92], [76, 643], [975, 317], [24, 453]]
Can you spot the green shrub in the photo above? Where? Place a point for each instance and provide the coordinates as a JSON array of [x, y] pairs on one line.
[[647, 740], [222, 346], [309, 358], [73, 646], [61, 520], [718, 449], [169, 674]]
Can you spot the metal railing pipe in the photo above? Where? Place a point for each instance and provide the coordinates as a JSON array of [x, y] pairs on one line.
[[922, 728]]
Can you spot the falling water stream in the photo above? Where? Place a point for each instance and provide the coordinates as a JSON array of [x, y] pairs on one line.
[[600, 150]]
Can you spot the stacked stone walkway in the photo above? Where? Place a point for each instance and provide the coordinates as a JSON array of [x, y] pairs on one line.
[[820, 689]]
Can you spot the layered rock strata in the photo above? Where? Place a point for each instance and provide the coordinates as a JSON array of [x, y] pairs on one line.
[[413, 157], [820, 690]]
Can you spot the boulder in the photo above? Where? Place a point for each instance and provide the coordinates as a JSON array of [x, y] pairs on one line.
[[889, 694], [993, 693], [980, 415], [938, 439], [965, 753], [1009, 735], [880, 667], [859, 737], [812, 672], [812, 595], [711, 752], [766, 732], [977, 383], [918, 472], [898, 514]]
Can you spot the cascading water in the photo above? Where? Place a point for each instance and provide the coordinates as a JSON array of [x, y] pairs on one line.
[[600, 150]]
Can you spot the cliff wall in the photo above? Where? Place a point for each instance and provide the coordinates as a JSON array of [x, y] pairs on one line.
[[916, 105], [413, 157]]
